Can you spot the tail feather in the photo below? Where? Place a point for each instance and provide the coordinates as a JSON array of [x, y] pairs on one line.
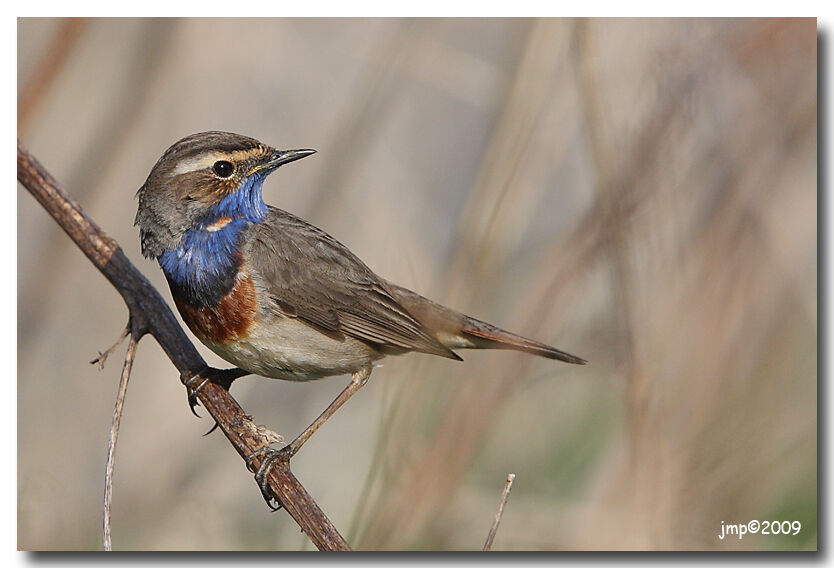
[[459, 331], [486, 336]]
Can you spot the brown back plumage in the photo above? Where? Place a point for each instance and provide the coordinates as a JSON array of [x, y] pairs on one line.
[[308, 274]]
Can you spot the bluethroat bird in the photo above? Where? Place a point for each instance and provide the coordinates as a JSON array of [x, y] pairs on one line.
[[276, 296]]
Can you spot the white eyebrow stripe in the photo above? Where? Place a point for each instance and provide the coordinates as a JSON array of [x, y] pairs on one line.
[[196, 163], [207, 159]]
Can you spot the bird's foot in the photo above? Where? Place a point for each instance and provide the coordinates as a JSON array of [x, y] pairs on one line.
[[270, 457], [195, 381]]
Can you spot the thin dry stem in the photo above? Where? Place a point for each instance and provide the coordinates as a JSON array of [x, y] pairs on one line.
[[114, 435], [499, 513]]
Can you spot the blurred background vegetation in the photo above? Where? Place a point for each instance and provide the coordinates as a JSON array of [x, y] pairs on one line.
[[639, 192]]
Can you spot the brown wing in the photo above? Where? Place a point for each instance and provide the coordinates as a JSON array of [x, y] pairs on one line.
[[308, 274]]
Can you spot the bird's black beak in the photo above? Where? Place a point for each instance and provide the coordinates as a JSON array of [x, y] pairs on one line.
[[281, 157]]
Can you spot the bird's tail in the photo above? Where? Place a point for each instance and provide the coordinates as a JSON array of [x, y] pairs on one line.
[[459, 331]]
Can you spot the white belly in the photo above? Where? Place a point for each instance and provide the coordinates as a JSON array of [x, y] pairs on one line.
[[289, 349]]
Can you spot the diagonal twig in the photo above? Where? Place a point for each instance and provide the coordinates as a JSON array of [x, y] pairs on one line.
[[102, 356]]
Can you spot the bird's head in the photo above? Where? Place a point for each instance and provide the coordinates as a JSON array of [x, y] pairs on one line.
[[202, 179]]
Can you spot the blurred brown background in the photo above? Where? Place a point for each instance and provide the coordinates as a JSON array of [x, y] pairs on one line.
[[639, 192]]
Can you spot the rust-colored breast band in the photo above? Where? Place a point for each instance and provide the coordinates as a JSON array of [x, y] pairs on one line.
[[229, 320]]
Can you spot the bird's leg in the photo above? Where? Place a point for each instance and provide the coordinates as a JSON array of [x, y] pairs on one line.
[[357, 381], [271, 456]]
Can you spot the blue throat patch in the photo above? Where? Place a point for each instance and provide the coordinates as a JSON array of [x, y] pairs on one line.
[[203, 268]]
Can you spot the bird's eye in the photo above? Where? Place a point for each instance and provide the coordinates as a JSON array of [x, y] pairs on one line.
[[223, 168]]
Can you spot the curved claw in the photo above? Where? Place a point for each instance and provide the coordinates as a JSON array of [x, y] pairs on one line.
[[271, 457], [187, 379], [194, 391], [269, 498], [192, 402]]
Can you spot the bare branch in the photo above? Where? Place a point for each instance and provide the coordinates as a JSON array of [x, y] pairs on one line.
[[150, 314], [499, 513]]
